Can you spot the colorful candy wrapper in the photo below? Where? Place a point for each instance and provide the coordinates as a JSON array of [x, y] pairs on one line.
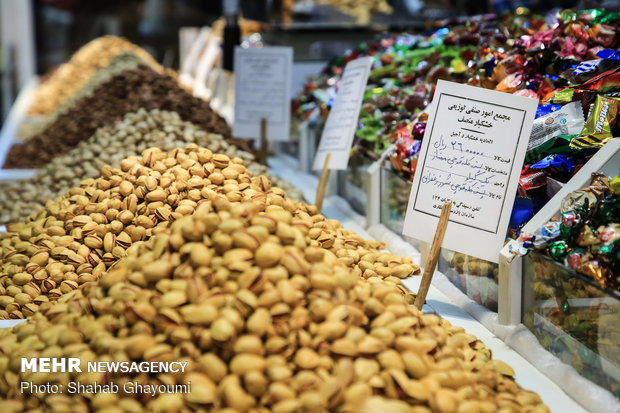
[[605, 82], [572, 222], [597, 130], [528, 93], [603, 34], [543, 235], [559, 144], [575, 257], [590, 68], [610, 233], [566, 121], [609, 54], [517, 248], [558, 250], [547, 108], [588, 237], [557, 165], [522, 211], [511, 83], [576, 198]]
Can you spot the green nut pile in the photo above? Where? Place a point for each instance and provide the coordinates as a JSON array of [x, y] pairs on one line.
[[266, 319], [109, 146], [76, 238]]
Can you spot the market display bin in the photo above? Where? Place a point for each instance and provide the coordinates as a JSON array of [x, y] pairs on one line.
[[393, 200], [352, 182], [511, 266], [475, 277], [574, 319]]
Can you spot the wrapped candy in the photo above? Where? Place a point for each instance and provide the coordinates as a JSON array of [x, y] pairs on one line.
[[587, 238]]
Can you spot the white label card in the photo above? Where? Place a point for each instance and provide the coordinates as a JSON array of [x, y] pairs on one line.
[[263, 79], [472, 154], [337, 136]]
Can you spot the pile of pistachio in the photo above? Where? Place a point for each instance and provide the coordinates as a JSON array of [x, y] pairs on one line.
[[108, 146], [77, 237], [261, 297]]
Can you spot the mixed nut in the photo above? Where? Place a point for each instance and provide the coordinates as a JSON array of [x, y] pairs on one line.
[[76, 238], [72, 75], [124, 93], [109, 146], [127, 60], [249, 289]]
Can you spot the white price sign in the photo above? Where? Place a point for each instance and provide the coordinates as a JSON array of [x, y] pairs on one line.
[[263, 79], [337, 136], [471, 155]]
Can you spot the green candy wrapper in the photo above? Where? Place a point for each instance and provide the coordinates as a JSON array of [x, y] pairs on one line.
[[558, 250], [608, 210], [597, 131], [559, 144], [572, 223], [615, 185]]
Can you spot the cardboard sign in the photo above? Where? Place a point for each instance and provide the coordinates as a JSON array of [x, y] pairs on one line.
[[472, 154], [263, 80], [337, 136]]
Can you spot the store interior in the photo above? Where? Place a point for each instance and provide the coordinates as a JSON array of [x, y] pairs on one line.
[[253, 190]]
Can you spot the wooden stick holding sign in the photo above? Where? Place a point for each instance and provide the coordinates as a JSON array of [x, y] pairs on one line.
[[320, 191], [433, 256], [262, 152]]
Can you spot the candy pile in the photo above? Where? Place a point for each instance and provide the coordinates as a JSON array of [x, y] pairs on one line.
[[71, 76], [124, 93], [109, 146], [570, 65], [587, 238], [267, 315], [77, 237]]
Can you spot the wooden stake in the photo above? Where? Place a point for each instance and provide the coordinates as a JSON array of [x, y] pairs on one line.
[[320, 191], [262, 153], [433, 256]]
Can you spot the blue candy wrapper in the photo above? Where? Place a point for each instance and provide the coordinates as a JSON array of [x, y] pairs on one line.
[[556, 161], [609, 54], [547, 108]]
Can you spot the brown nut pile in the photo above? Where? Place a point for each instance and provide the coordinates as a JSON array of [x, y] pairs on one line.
[[125, 93], [124, 61], [76, 238], [71, 76], [266, 322], [109, 146]]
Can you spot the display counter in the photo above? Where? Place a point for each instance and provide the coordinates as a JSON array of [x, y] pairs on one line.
[[573, 318]]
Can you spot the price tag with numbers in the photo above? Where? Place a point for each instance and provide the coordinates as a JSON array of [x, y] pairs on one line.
[[472, 153]]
